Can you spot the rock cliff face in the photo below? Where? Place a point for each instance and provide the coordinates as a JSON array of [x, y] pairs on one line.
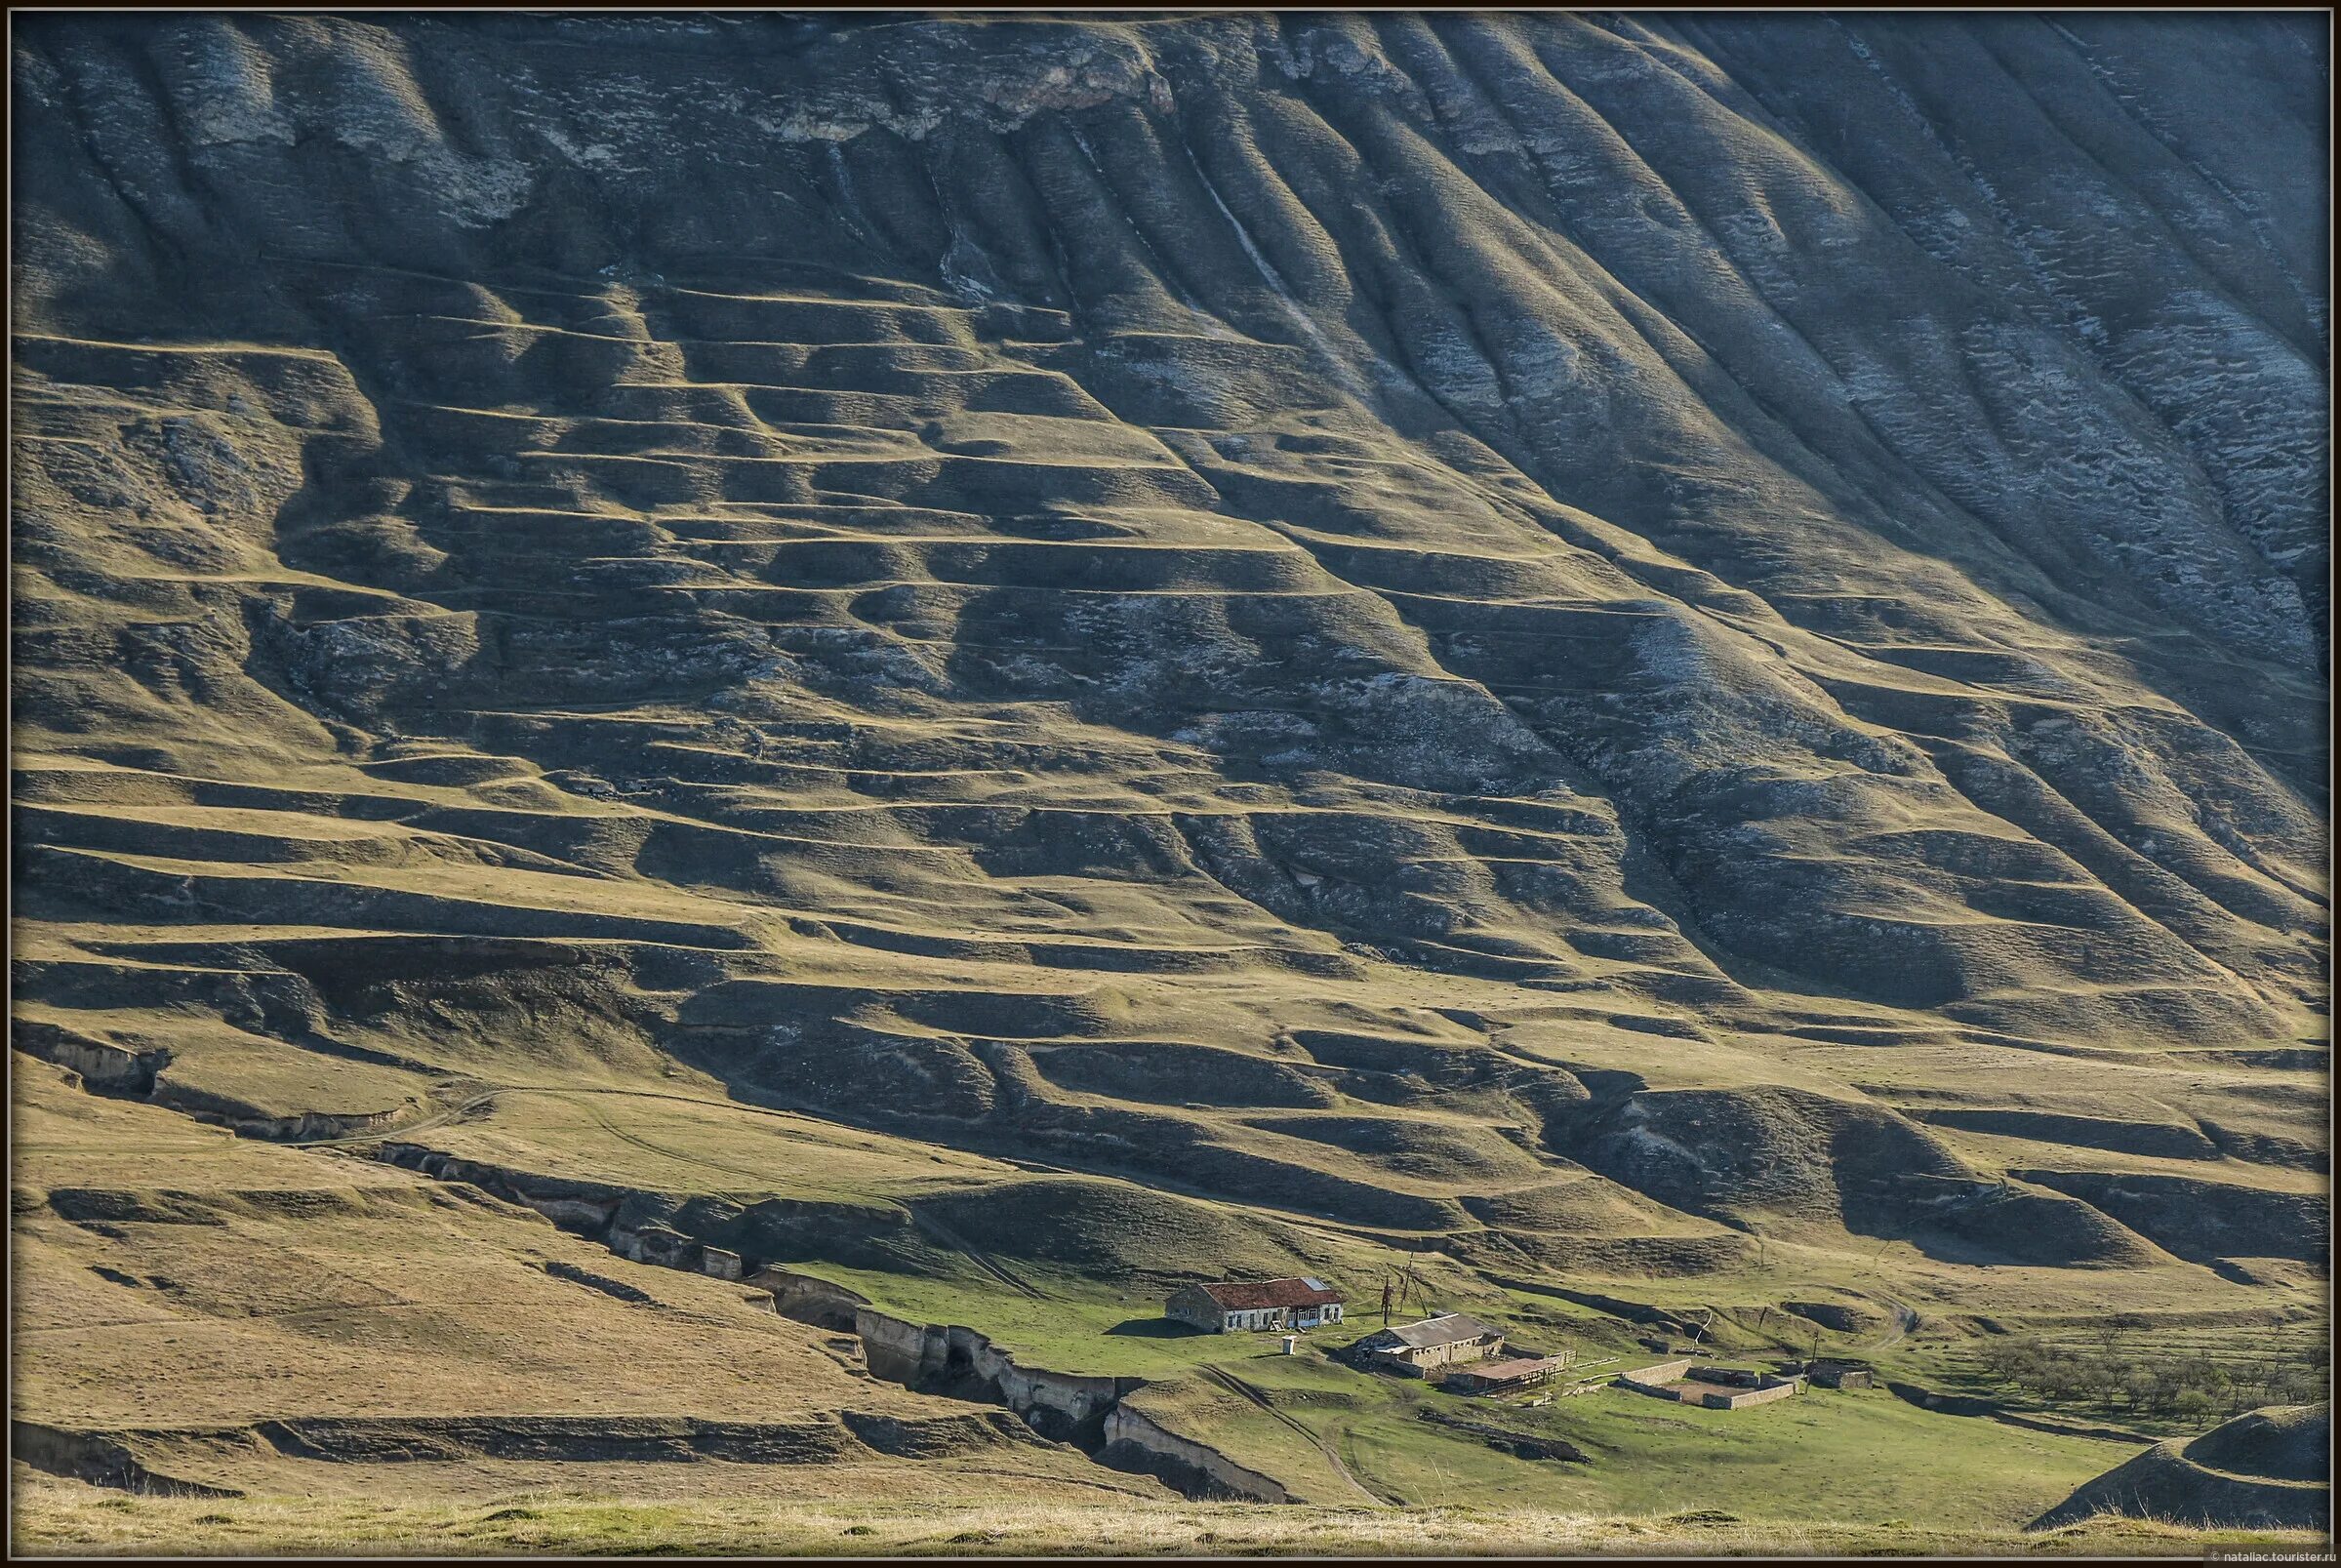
[[877, 556]]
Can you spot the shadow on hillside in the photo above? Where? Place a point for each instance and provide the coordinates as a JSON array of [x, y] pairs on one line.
[[1153, 1328]]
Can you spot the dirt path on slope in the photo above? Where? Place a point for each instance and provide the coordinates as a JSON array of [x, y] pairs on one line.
[[1259, 1396]]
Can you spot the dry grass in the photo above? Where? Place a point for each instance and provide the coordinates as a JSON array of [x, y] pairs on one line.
[[60, 1517], [196, 1278]]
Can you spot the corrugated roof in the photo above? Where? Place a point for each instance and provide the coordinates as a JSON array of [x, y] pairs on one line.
[[1448, 1328], [1517, 1366], [1251, 1295]]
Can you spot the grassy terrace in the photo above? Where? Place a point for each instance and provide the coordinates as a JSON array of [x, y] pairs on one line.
[[1069, 1275], [1337, 1435]]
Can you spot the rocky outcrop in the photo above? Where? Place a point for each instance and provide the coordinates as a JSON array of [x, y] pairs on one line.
[[660, 1246], [103, 1066], [1089, 1412], [585, 1207], [308, 1126], [966, 1364], [1137, 1442], [809, 1299], [100, 1459], [113, 1069]]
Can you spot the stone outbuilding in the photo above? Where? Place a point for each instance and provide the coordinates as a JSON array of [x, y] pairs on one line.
[[1829, 1374], [1434, 1342]]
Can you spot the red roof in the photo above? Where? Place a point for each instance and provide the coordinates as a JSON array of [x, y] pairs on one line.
[[1249, 1295]]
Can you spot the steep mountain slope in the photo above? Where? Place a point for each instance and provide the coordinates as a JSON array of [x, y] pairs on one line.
[[1564, 637]]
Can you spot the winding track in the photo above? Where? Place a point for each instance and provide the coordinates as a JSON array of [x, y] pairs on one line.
[[1259, 1396], [1904, 1322]]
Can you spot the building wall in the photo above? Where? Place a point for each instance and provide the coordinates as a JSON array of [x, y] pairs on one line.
[[1652, 1378], [1411, 1359], [1191, 1306], [1478, 1379], [1740, 1398], [1439, 1355]]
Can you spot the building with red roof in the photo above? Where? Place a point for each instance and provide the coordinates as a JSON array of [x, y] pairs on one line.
[[1231, 1305]]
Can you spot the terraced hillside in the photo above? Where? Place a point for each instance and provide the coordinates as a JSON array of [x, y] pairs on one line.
[[1015, 659]]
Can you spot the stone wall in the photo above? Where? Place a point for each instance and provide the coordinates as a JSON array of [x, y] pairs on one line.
[[1660, 1380], [1739, 1399], [1654, 1379]]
